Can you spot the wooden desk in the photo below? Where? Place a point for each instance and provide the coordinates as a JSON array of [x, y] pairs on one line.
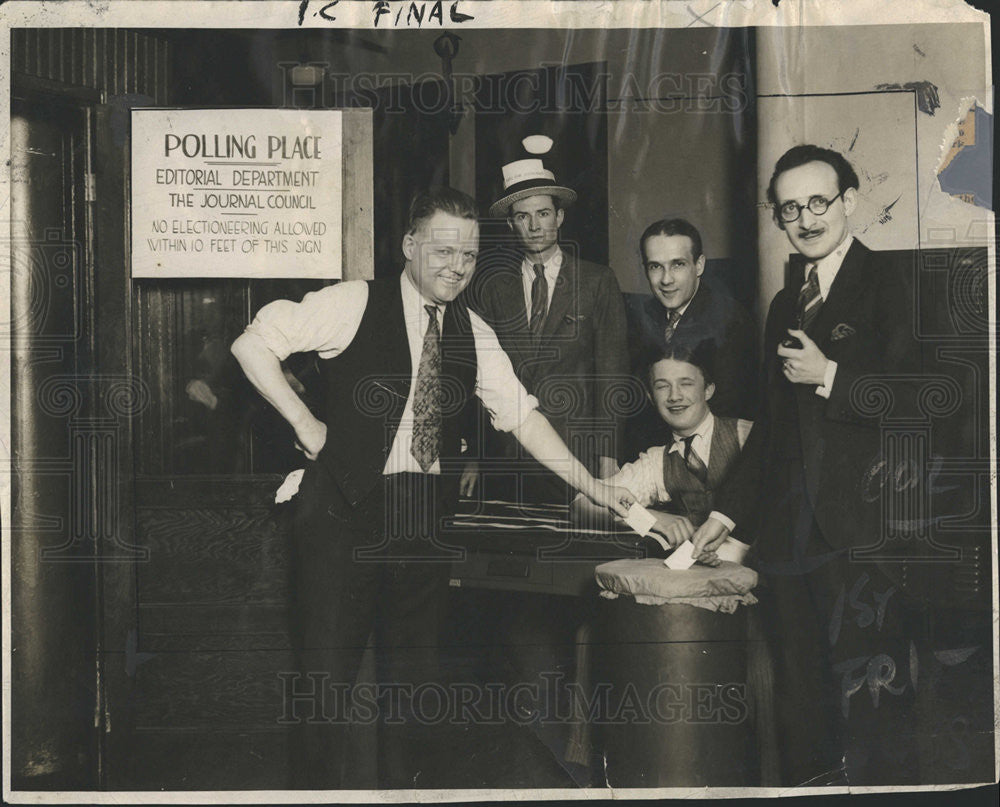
[[530, 547]]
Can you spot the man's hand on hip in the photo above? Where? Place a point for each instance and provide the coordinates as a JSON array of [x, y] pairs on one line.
[[310, 437]]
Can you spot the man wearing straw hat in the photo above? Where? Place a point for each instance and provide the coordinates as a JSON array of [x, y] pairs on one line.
[[562, 321]]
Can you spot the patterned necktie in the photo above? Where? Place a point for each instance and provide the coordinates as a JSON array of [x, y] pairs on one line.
[[426, 444], [673, 317], [539, 299], [693, 461], [810, 299]]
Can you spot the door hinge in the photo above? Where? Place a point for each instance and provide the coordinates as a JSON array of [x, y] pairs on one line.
[[90, 187]]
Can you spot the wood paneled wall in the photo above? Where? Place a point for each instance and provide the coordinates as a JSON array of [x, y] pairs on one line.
[[115, 61]]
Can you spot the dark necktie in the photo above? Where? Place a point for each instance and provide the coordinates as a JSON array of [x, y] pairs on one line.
[[673, 317], [810, 299], [693, 461], [539, 299], [426, 444]]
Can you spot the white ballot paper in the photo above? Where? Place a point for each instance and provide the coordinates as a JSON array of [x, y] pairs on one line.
[[641, 520], [681, 557], [731, 550]]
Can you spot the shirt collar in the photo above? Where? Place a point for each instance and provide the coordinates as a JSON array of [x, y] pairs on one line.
[[827, 268], [552, 266], [414, 302], [681, 309], [703, 434]]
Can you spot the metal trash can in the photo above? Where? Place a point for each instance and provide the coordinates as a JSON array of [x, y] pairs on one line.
[[671, 655]]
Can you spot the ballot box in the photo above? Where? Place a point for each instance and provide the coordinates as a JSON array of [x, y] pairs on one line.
[[530, 548], [673, 655]]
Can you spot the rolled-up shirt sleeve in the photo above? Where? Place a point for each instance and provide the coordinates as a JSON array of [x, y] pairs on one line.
[[644, 478], [504, 397], [325, 321]]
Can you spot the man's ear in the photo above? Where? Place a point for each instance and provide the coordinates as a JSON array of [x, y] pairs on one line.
[[559, 218], [850, 198], [409, 246], [510, 224], [709, 391], [699, 264]]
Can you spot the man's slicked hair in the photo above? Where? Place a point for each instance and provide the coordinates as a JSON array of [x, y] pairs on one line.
[[672, 227], [800, 155], [441, 199], [699, 354]]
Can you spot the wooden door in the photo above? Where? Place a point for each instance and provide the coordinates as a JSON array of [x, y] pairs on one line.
[[200, 618]]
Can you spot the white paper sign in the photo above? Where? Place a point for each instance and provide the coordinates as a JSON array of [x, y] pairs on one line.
[[236, 193]]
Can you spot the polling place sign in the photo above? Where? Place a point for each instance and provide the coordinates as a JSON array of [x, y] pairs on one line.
[[236, 193]]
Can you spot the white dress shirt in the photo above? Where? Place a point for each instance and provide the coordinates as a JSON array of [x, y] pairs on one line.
[[552, 267], [327, 321], [644, 477], [826, 273]]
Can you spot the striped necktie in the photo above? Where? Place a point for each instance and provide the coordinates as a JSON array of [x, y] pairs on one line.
[[693, 461], [810, 299], [539, 299], [673, 317], [426, 444]]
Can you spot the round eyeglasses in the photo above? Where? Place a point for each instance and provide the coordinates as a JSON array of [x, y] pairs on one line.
[[818, 205]]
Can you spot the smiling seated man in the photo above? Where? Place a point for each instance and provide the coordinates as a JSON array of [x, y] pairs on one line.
[[678, 479]]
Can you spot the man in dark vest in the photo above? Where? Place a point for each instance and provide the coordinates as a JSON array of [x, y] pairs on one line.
[[678, 478], [401, 358], [839, 342], [685, 307]]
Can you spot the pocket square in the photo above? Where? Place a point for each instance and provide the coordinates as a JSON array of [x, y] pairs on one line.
[[842, 331]]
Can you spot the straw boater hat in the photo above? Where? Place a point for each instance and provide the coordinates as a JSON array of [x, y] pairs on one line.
[[524, 178]]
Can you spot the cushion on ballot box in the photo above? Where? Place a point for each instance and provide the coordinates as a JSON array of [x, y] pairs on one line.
[[721, 588]]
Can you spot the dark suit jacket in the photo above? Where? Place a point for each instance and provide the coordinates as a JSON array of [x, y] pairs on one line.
[[827, 450], [578, 370], [711, 317]]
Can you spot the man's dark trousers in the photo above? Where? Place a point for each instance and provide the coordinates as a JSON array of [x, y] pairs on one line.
[[340, 596], [838, 632]]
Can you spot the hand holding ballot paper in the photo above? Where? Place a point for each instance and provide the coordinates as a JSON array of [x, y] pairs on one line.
[[666, 529], [651, 524], [678, 477], [655, 523]]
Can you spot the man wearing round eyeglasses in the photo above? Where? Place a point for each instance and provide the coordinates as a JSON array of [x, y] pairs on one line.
[[842, 325]]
